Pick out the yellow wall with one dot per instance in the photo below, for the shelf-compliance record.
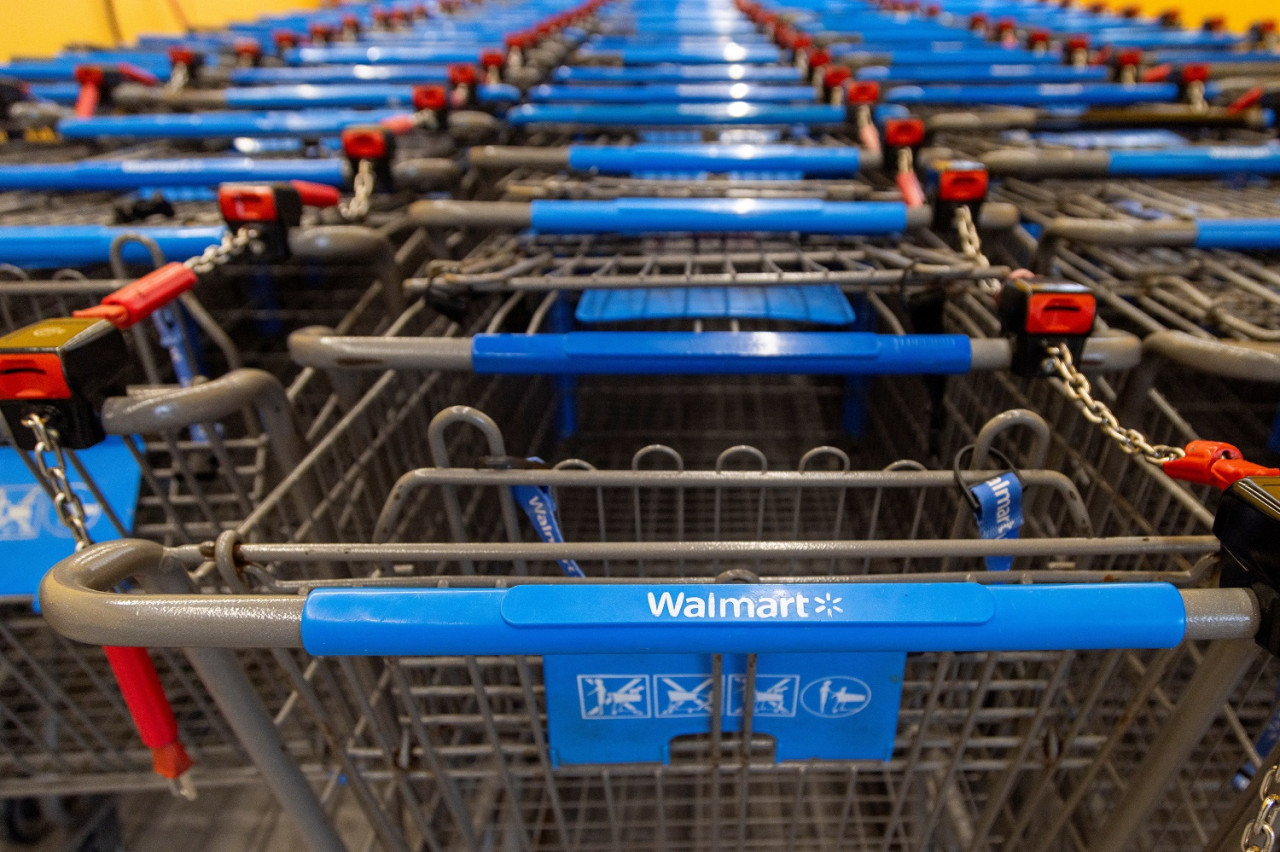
(1239, 15)
(41, 27)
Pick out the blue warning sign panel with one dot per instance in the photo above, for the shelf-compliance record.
(626, 708)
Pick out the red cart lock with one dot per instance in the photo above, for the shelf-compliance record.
(1038, 313)
(97, 82)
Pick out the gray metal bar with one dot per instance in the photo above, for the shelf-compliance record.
(240, 704)
(441, 213)
(1110, 232)
(1233, 359)
(320, 348)
(76, 602)
(1210, 687)
(1041, 163)
(505, 157)
(354, 244)
(425, 173)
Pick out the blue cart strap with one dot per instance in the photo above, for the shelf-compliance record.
(998, 513)
(540, 507)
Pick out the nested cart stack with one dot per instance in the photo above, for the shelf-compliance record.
(735, 447)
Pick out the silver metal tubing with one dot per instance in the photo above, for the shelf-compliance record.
(84, 609)
(354, 244)
(462, 214)
(1110, 232)
(425, 173)
(1214, 680)
(1042, 163)
(506, 157)
(152, 410)
(320, 348)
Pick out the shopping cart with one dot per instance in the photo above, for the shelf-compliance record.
(989, 726)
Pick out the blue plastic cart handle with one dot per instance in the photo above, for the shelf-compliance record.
(56, 246)
(677, 74)
(818, 160)
(1024, 73)
(961, 55)
(1048, 95)
(207, 125)
(632, 619)
(304, 96)
(1193, 160)
(712, 353)
(692, 55)
(326, 75)
(737, 215)
(388, 55)
(60, 93)
(668, 93)
(1243, 234)
(89, 175)
(673, 115)
(1162, 38)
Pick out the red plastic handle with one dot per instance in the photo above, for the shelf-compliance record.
(316, 194)
(1214, 463)
(135, 302)
(149, 706)
(87, 100)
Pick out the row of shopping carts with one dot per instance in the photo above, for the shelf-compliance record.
(607, 426)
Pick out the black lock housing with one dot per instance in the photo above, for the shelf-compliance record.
(63, 369)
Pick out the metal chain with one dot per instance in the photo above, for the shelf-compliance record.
(971, 246)
(362, 193)
(1260, 835)
(66, 502)
(1131, 441)
(216, 255)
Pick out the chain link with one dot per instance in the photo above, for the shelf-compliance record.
(971, 247)
(66, 502)
(214, 256)
(362, 193)
(1260, 834)
(1131, 441)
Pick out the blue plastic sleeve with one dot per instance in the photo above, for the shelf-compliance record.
(60, 93)
(1198, 160)
(672, 92)
(385, 54)
(55, 246)
(497, 93)
(671, 115)
(960, 55)
(1255, 234)
(1023, 73)
(739, 215)
(89, 175)
(602, 619)
(324, 75)
(207, 125)
(1095, 94)
(676, 74)
(720, 353)
(693, 55)
(336, 96)
(822, 160)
